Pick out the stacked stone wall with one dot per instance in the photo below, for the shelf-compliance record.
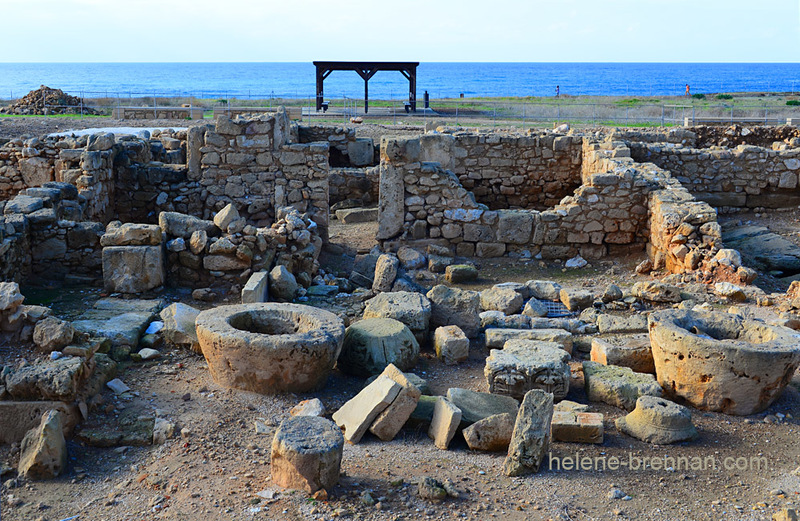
(745, 177)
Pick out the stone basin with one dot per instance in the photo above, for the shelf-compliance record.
(722, 362)
(270, 347)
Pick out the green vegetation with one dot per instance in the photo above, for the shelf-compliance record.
(793, 102)
(699, 96)
(724, 96)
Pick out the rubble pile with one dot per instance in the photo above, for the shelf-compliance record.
(45, 101)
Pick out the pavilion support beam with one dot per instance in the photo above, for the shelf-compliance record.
(367, 70)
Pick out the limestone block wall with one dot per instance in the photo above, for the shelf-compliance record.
(250, 163)
(729, 179)
(354, 183)
(509, 170)
(338, 138)
(15, 248)
(420, 200)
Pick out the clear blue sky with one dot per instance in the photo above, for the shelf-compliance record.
(412, 30)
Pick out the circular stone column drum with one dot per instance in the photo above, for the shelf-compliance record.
(269, 347)
(722, 362)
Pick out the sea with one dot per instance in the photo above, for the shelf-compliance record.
(440, 80)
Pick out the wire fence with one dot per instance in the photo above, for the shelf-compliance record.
(611, 111)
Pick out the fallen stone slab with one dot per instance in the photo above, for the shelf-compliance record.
(658, 421)
(52, 334)
(179, 325)
(618, 386)
(133, 269)
(131, 234)
(356, 416)
(18, 417)
(176, 224)
(312, 407)
(576, 300)
(498, 319)
(373, 343)
(625, 351)
(655, 291)
(391, 420)
(257, 288)
(497, 338)
(531, 438)
(357, 215)
(544, 289)
(523, 365)
(460, 273)
(573, 325)
(492, 434)
(444, 423)
(385, 272)
(43, 452)
(475, 406)
(307, 454)
(613, 324)
(57, 380)
(763, 249)
(577, 427)
(502, 299)
(122, 321)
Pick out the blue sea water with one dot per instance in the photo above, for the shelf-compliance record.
(297, 80)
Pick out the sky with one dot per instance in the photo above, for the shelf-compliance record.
(411, 30)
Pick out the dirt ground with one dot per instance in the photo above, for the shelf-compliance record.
(217, 466)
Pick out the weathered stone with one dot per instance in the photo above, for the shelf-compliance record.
(225, 263)
(498, 319)
(577, 427)
(618, 386)
(476, 406)
(181, 225)
(18, 417)
(162, 431)
(535, 308)
(52, 334)
(385, 272)
(531, 438)
(451, 344)
(198, 242)
(444, 423)
(523, 365)
(722, 362)
(226, 216)
(43, 453)
(268, 347)
(373, 343)
(391, 420)
(656, 292)
(658, 421)
(410, 308)
(544, 289)
(122, 321)
(282, 284)
(632, 352)
(130, 234)
(452, 306)
(731, 291)
(10, 297)
(497, 338)
(501, 299)
(612, 293)
(410, 259)
(357, 215)
(133, 269)
(492, 433)
(307, 454)
(576, 300)
(360, 152)
(179, 325)
(256, 289)
(312, 407)
(460, 273)
(47, 380)
(356, 416)
(613, 324)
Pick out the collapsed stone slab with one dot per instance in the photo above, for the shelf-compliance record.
(618, 386)
(577, 427)
(497, 338)
(43, 453)
(451, 344)
(456, 307)
(133, 269)
(722, 362)
(492, 434)
(358, 413)
(18, 417)
(476, 406)
(412, 309)
(625, 351)
(270, 347)
(531, 437)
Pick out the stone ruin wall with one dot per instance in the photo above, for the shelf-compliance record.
(745, 177)
(621, 206)
(507, 171)
(250, 163)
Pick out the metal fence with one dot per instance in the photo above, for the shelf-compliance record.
(463, 111)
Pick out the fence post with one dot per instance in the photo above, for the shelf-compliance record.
(662, 115)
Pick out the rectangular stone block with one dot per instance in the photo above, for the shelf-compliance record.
(133, 269)
(451, 344)
(17, 418)
(356, 416)
(256, 288)
(391, 420)
(577, 427)
(531, 437)
(496, 338)
(445, 422)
